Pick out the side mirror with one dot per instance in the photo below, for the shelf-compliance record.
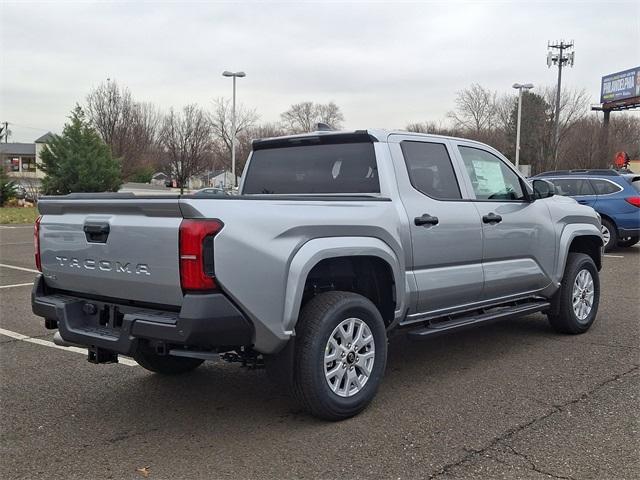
(543, 189)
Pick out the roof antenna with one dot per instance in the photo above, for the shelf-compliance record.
(323, 127)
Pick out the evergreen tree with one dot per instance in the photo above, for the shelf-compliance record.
(79, 161)
(536, 132)
(7, 187)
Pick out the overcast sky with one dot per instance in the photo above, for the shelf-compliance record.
(384, 63)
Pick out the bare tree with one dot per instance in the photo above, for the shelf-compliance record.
(624, 135)
(475, 109)
(186, 139)
(581, 145)
(221, 126)
(574, 106)
(129, 128)
(436, 128)
(305, 116)
(504, 105)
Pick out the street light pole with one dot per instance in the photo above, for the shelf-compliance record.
(519, 87)
(234, 75)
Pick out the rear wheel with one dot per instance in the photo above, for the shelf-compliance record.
(575, 306)
(609, 235)
(340, 354)
(165, 364)
(628, 242)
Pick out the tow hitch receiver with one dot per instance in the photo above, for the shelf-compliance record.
(100, 355)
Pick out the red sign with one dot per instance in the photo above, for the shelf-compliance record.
(621, 159)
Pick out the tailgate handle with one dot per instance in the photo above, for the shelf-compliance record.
(96, 232)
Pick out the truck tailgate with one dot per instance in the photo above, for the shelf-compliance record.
(121, 248)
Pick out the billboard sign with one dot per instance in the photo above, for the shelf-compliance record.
(620, 86)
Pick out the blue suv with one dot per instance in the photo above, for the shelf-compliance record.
(615, 196)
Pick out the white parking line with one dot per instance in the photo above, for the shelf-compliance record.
(47, 343)
(19, 268)
(613, 256)
(17, 226)
(17, 285)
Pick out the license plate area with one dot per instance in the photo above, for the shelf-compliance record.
(96, 318)
(110, 316)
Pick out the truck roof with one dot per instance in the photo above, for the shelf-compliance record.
(342, 136)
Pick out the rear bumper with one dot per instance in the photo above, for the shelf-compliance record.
(204, 321)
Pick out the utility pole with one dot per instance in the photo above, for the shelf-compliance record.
(5, 131)
(561, 58)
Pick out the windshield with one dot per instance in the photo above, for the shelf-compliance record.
(313, 169)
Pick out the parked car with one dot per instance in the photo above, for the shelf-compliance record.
(616, 197)
(336, 240)
(209, 191)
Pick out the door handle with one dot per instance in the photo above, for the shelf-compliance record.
(491, 218)
(583, 202)
(96, 232)
(426, 219)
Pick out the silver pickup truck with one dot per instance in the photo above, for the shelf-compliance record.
(336, 240)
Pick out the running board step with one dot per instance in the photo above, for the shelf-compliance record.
(461, 323)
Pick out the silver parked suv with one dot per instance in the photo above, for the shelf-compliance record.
(336, 239)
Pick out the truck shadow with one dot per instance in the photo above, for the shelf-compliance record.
(223, 393)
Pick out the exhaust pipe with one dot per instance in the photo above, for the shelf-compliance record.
(61, 342)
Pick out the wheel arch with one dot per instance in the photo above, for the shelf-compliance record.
(607, 217)
(579, 238)
(338, 254)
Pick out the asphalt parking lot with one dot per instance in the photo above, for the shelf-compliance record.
(510, 400)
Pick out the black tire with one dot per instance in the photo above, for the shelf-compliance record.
(628, 242)
(613, 235)
(562, 316)
(165, 364)
(318, 320)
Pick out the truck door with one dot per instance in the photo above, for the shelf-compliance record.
(519, 240)
(446, 232)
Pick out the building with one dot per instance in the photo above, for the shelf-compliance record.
(22, 161)
(159, 178)
(214, 178)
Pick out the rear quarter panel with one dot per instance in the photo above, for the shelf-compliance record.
(260, 240)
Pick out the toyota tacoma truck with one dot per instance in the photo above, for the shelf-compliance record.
(335, 241)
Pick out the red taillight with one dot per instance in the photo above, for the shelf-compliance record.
(36, 242)
(196, 254)
(635, 201)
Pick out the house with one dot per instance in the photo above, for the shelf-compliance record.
(159, 178)
(22, 161)
(213, 178)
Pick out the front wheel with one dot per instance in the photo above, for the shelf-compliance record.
(575, 305)
(340, 354)
(628, 242)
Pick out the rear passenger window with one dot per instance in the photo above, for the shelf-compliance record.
(430, 169)
(572, 187)
(605, 187)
